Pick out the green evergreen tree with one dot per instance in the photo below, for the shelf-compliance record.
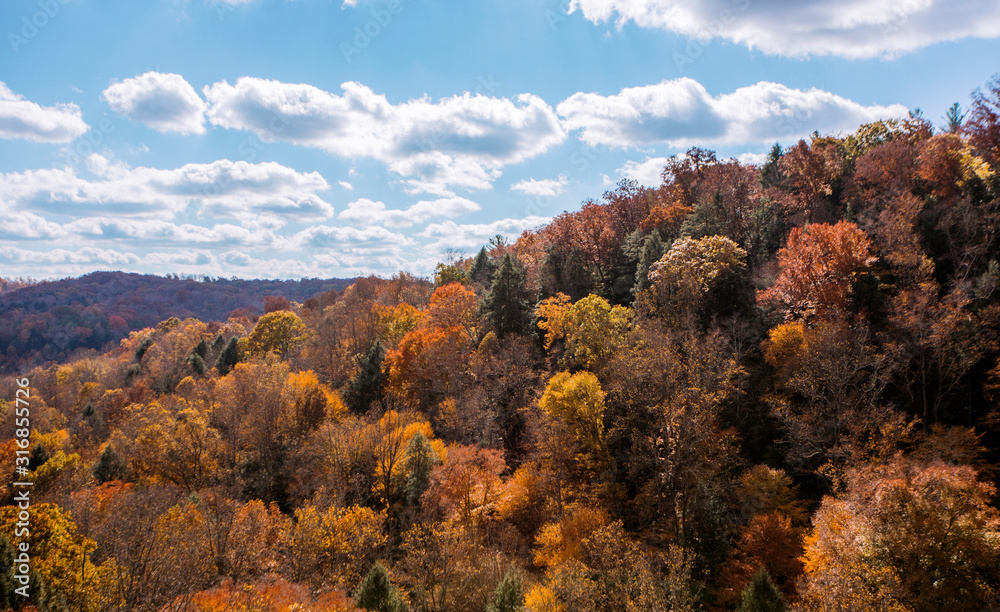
(420, 459)
(954, 118)
(229, 358)
(652, 251)
(110, 466)
(202, 348)
(377, 593)
(760, 595)
(506, 305)
(197, 363)
(482, 268)
(38, 457)
(770, 172)
(142, 348)
(509, 594)
(368, 386)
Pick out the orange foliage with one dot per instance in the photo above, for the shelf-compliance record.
(817, 266)
(428, 363)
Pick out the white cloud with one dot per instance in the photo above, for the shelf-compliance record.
(647, 172)
(164, 102)
(752, 159)
(463, 141)
(450, 235)
(222, 188)
(29, 226)
(681, 113)
(545, 187)
(147, 232)
(346, 185)
(352, 240)
(21, 118)
(847, 28)
(367, 212)
(84, 255)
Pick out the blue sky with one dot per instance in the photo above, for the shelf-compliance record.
(289, 138)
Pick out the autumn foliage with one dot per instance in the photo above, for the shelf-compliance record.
(748, 387)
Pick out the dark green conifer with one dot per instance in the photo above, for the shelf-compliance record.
(760, 595)
(506, 305)
(369, 384)
(377, 593)
(110, 466)
(509, 594)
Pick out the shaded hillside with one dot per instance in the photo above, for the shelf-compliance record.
(49, 320)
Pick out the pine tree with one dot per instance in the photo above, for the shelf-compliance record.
(368, 385)
(377, 593)
(760, 595)
(110, 466)
(197, 363)
(652, 251)
(417, 465)
(770, 172)
(509, 595)
(954, 118)
(38, 457)
(482, 268)
(229, 358)
(506, 304)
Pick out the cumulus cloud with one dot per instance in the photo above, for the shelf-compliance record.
(29, 226)
(545, 187)
(648, 172)
(846, 28)
(222, 188)
(372, 240)
(164, 102)
(83, 255)
(367, 212)
(752, 159)
(149, 232)
(451, 235)
(463, 141)
(681, 113)
(24, 119)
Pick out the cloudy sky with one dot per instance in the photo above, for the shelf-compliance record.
(290, 138)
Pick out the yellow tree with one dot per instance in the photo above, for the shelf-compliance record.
(279, 331)
(591, 328)
(59, 554)
(691, 273)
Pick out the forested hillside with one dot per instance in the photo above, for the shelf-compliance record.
(750, 388)
(48, 321)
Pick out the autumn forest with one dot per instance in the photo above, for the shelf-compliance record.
(751, 388)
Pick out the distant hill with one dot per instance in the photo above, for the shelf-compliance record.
(50, 320)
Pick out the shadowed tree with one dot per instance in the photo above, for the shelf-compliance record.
(506, 305)
(377, 594)
(368, 385)
(761, 595)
